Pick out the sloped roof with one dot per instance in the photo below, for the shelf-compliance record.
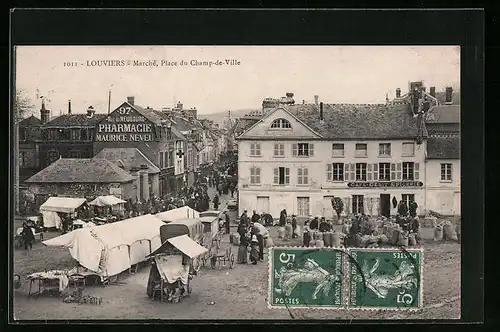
(31, 121)
(75, 120)
(148, 113)
(81, 171)
(444, 114)
(443, 148)
(359, 121)
(130, 157)
(455, 97)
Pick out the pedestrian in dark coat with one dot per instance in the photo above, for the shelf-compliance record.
(314, 223)
(28, 237)
(244, 218)
(282, 218)
(413, 209)
(227, 223)
(216, 201)
(232, 190)
(255, 217)
(294, 226)
(219, 188)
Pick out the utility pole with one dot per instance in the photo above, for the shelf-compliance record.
(109, 101)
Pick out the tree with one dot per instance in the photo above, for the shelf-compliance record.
(22, 106)
(338, 206)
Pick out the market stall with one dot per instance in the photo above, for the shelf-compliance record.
(56, 208)
(112, 248)
(108, 208)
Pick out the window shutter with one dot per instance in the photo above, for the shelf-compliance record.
(294, 150)
(305, 174)
(311, 150)
(416, 171)
(257, 175)
(287, 175)
(375, 172)
(276, 149)
(299, 176)
(369, 172)
(346, 172)
(353, 171)
(276, 176)
(393, 171)
(398, 171)
(329, 172)
(257, 147)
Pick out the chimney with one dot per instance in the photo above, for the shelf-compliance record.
(131, 100)
(316, 99)
(398, 93)
(303, 101)
(448, 94)
(69, 106)
(179, 106)
(321, 111)
(432, 91)
(90, 111)
(194, 112)
(44, 114)
(289, 94)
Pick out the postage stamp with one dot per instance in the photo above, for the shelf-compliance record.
(385, 278)
(306, 277)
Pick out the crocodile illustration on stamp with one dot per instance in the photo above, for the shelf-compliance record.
(305, 277)
(388, 279)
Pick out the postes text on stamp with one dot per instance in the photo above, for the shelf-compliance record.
(305, 277)
(385, 278)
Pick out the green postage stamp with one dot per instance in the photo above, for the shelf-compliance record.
(367, 278)
(305, 277)
(385, 278)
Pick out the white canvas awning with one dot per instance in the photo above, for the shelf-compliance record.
(189, 247)
(179, 213)
(62, 204)
(109, 200)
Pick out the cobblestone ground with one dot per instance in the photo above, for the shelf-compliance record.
(238, 293)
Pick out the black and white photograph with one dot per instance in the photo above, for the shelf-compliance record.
(154, 182)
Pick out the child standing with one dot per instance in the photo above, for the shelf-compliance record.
(254, 252)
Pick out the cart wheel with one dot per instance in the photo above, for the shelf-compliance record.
(231, 261)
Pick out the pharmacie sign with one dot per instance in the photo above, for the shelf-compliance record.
(378, 184)
(125, 125)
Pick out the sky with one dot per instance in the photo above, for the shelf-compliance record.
(337, 74)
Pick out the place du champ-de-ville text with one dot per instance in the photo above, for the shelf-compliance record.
(154, 63)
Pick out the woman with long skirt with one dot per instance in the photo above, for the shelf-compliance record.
(242, 249)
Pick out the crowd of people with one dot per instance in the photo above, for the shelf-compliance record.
(220, 177)
(253, 234)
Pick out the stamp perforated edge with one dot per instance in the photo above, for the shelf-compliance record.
(393, 309)
(270, 282)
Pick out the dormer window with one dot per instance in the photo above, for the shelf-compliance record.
(281, 124)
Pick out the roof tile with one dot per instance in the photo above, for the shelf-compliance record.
(75, 120)
(443, 148)
(81, 171)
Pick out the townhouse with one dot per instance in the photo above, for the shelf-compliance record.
(298, 157)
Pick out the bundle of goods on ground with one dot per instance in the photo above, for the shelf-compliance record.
(364, 231)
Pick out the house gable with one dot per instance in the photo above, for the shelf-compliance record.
(126, 123)
(294, 128)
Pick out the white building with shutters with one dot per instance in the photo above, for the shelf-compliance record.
(297, 158)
